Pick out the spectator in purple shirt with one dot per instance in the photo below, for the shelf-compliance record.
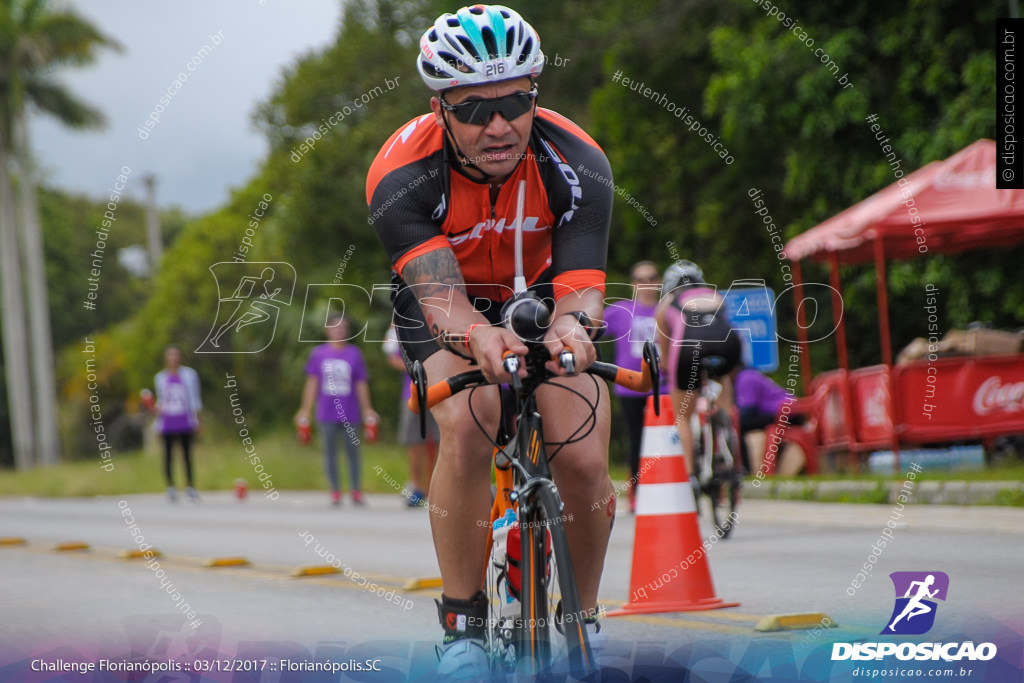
(336, 379)
(759, 399)
(630, 324)
(177, 416)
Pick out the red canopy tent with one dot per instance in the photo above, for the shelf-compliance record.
(947, 206)
(850, 234)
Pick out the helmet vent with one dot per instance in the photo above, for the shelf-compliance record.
(453, 61)
(526, 51)
(468, 47)
(490, 43)
(452, 43)
(429, 68)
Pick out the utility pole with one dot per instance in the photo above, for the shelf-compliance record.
(155, 243)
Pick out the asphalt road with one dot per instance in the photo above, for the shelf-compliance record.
(784, 557)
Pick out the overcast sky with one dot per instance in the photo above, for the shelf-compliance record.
(204, 143)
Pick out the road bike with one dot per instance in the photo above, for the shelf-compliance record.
(530, 623)
(716, 468)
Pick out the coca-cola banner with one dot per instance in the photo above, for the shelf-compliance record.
(830, 412)
(960, 398)
(870, 389)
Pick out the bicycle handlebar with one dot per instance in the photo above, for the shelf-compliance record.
(528, 318)
(631, 379)
(446, 388)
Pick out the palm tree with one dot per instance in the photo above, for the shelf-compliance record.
(16, 367)
(35, 40)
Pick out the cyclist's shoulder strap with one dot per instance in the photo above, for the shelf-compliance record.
(414, 142)
(573, 168)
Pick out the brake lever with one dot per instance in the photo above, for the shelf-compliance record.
(653, 360)
(567, 359)
(511, 365)
(419, 382)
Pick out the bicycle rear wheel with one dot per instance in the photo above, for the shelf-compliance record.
(724, 491)
(551, 628)
(724, 494)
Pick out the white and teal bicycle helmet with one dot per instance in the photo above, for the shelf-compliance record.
(478, 44)
(681, 273)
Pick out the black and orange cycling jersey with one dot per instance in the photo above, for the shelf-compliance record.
(419, 202)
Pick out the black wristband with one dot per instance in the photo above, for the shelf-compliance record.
(584, 320)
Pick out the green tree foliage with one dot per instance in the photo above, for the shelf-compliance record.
(70, 224)
(925, 68)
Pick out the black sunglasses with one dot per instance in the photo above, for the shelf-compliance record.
(479, 112)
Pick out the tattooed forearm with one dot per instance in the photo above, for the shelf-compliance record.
(441, 291)
(436, 274)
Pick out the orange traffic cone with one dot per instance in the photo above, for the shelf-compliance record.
(670, 567)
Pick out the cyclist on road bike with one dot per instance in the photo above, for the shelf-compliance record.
(693, 325)
(442, 194)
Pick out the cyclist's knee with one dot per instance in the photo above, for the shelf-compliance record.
(462, 435)
(582, 470)
(466, 430)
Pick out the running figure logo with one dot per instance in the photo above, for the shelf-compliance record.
(254, 302)
(914, 613)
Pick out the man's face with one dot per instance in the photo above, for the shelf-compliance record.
(172, 358)
(337, 330)
(498, 146)
(646, 278)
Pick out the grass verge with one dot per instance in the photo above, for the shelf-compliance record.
(218, 461)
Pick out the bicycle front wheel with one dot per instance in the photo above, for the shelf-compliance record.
(552, 622)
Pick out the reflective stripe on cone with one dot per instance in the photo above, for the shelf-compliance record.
(665, 499)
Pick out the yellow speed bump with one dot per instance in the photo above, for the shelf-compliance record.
(71, 545)
(319, 570)
(227, 562)
(793, 622)
(140, 554)
(422, 584)
(12, 540)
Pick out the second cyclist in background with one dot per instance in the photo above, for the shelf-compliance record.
(692, 325)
